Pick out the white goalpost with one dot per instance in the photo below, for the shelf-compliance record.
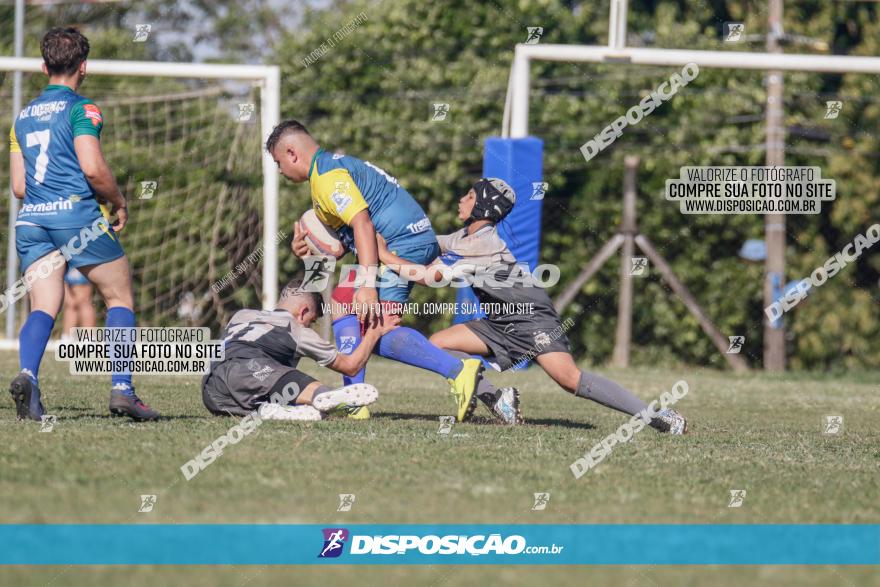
(515, 123)
(518, 114)
(516, 111)
(264, 77)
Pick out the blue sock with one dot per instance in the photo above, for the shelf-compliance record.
(347, 331)
(411, 347)
(120, 317)
(32, 341)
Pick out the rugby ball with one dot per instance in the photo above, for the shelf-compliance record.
(320, 238)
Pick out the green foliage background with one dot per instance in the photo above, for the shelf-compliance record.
(370, 96)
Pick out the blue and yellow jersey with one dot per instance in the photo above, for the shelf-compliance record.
(57, 194)
(344, 186)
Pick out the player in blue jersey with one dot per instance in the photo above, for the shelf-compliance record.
(360, 200)
(59, 170)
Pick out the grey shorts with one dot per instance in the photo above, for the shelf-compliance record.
(237, 387)
(517, 338)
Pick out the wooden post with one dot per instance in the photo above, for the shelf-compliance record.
(629, 238)
(623, 337)
(721, 343)
(774, 224)
(587, 272)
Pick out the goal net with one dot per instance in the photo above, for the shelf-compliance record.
(187, 154)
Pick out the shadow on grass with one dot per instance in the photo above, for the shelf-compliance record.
(126, 420)
(561, 422)
(62, 409)
(483, 421)
(400, 416)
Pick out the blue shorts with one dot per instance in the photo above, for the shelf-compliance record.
(390, 287)
(74, 277)
(33, 242)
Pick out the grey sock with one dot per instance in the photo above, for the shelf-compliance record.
(485, 390)
(610, 394)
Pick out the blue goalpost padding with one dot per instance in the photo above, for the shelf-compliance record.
(519, 162)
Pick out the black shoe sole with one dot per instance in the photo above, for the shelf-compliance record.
(120, 412)
(664, 427)
(21, 395)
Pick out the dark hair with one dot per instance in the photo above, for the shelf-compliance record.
(288, 126)
(64, 49)
(293, 289)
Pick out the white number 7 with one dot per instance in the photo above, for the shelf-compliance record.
(42, 138)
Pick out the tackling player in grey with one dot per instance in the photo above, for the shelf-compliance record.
(262, 349)
(507, 334)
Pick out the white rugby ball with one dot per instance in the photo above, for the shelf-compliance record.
(320, 238)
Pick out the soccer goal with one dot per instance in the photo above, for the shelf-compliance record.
(185, 142)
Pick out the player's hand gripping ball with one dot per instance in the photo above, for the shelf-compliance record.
(318, 237)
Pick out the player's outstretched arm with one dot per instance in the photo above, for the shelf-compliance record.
(97, 172)
(406, 269)
(353, 363)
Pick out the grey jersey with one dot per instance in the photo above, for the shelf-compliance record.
(484, 249)
(253, 334)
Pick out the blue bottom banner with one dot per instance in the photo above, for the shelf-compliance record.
(530, 544)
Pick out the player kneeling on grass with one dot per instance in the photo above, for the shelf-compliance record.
(513, 338)
(262, 350)
(363, 203)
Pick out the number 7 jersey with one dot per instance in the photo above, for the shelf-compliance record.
(57, 194)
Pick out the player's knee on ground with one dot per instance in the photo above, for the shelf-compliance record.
(295, 388)
(308, 394)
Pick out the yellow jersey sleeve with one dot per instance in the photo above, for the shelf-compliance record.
(337, 198)
(14, 147)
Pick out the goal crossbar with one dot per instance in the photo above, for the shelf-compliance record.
(267, 77)
(518, 99)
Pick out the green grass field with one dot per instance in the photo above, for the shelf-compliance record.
(748, 432)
